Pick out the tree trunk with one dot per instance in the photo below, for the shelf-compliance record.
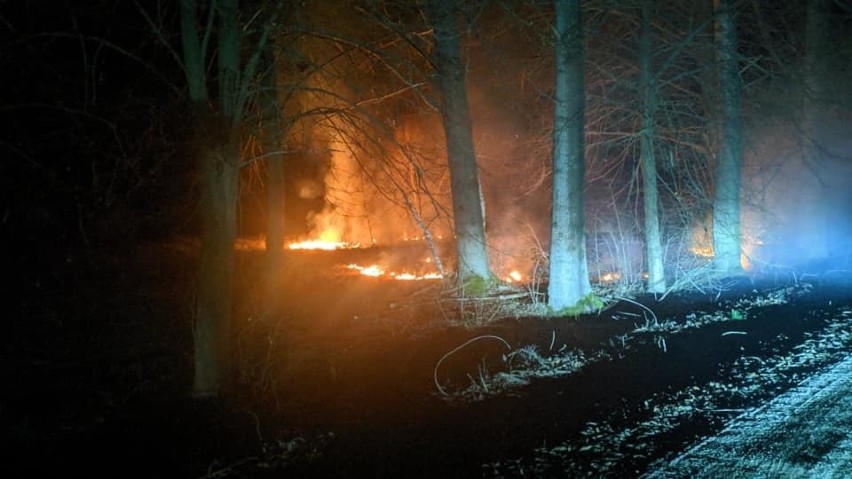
(653, 246)
(193, 57)
(816, 51)
(212, 335)
(569, 276)
(219, 170)
(229, 61)
(272, 134)
(726, 212)
(468, 214)
(815, 236)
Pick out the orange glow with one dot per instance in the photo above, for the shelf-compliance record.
(702, 251)
(514, 277)
(328, 240)
(610, 277)
(372, 270)
(322, 245)
(747, 247)
(250, 244)
(414, 277)
(376, 271)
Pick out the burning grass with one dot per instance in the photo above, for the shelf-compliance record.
(376, 271)
(322, 245)
(408, 260)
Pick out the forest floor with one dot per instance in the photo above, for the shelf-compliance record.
(366, 377)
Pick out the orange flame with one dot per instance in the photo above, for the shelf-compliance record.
(377, 271)
(322, 245)
(514, 276)
(328, 240)
(610, 277)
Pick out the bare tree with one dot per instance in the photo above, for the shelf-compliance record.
(358, 96)
(218, 155)
(569, 277)
(653, 246)
(468, 214)
(726, 212)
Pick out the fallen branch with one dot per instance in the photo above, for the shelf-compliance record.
(640, 305)
(435, 371)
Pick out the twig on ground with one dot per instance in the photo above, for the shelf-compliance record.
(640, 305)
(456, 349)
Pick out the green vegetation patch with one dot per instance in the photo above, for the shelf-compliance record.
(479, 286)
(586, 304)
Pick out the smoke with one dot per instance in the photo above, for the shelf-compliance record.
(796, 212)
(308, 189)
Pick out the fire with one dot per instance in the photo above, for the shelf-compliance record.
(250, 244)
(322, 245)
(259, 244)
(372, 270)
(377, 271)
(748, 246)
(514, 277)
(610, 277)
(414, 277)
(328, 240)
(702, 251)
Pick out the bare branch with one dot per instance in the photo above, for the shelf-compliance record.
(159, 33)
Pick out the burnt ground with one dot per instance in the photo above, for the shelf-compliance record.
(96, 365)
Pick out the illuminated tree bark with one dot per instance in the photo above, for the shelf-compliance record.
(468, 214)
(217, 144)
(569, 276)
(653, 247)
(726, 211)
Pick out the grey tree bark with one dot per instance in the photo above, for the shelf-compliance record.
(726, 212)
(653, 242)
(568, 276)
(468, 214)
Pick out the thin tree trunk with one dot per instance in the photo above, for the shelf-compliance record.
(468, 215)
(569, 276)
(272, 134)
(653, 246)
(816, 49)
(193, 57)
(229, 61)
(726, 212)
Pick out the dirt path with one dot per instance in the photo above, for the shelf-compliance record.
(806, 432)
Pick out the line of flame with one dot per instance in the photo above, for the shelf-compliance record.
(377, 271)
(322, 245)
